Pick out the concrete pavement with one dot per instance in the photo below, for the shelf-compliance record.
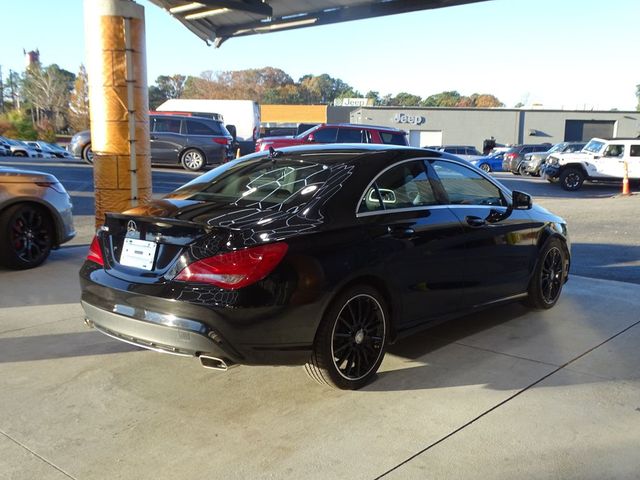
(505, 393)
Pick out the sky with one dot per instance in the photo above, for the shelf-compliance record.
(559, 53)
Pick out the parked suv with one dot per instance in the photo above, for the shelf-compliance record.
(534, 161)
(175, 139)
(513, 158)
(600, 160)
(337, 133)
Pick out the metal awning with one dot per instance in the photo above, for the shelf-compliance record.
(215, 21)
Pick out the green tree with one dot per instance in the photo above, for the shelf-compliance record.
(404, 99)
(443, 99)
(79, 102)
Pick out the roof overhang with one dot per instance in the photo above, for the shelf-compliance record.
(215, 21)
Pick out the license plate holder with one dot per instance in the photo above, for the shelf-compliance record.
(138, 253)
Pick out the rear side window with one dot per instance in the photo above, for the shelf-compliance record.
(350, 135)
(195, 127)
(634, 151)
(393, 138)
(466, 187)
(169, 125)
(260, 183)
(403, 186)
(325, 135)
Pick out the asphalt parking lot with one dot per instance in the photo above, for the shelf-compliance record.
(507, 393)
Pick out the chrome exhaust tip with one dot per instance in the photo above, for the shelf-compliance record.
(215, 363)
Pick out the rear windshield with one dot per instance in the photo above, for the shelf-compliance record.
(261, 182)
(393, 138)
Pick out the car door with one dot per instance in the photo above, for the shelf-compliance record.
(611, 163)
(498, 240)
(424, 260)
(633, 161)
(166, 139)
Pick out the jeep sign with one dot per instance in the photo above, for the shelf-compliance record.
(410, 119)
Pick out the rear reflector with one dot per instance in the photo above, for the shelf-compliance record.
(95, 252)
(237, 269)
(221, 141)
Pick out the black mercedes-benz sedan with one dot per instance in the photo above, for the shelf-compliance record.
(319, 255)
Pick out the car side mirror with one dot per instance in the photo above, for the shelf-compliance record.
(521, 200)
(232, 130)
(311, 138)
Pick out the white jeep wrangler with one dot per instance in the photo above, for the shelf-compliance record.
(600, 160)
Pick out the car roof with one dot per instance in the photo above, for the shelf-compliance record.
(336, 153)
(360, 125)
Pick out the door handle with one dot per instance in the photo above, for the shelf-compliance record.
(475, 221)
(402, 232)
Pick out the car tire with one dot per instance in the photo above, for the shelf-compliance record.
(87, 154)
(19, 154)
(193, 160)
(522, 170)
(571, 179)
(548, 277)
(26, 236)
(351, 339)
(485, 167)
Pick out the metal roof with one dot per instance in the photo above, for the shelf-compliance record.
(215, 21)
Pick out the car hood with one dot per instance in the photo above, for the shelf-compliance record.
(15, 175)
(577, 156)
(281, 141)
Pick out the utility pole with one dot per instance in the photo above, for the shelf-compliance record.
(1, 91)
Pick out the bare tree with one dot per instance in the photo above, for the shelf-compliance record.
(47, 91)
(79, 102)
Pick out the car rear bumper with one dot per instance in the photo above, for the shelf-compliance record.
(191, 338)
(256, 335)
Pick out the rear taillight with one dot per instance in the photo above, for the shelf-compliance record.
(237, 269)
(511, 156)
(221, 141)
(95, 252)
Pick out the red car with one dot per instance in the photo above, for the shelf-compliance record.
(337, 133)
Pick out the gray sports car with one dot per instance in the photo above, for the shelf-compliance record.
(35, 216)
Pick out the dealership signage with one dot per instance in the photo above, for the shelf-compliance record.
(410, 119)
(353, 102)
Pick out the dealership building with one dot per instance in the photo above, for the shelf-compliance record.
(468, 126)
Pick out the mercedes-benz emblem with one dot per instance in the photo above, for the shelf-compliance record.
(131, 226)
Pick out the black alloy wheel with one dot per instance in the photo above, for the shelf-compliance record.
(485, 167)
(549, 276)
(87, 154)
(351, 340)
(26, 236)
(571, 179)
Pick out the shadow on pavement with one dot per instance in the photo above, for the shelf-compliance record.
(61, 345)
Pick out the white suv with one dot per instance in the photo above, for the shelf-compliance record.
(600, 160)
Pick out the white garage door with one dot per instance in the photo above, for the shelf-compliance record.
(422, 138)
